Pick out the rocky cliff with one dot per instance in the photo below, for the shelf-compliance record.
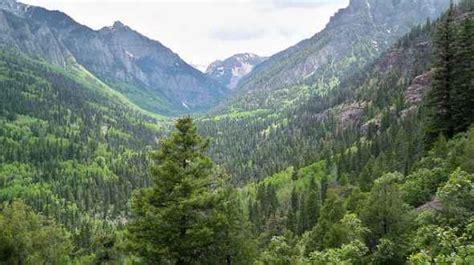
(144, 70)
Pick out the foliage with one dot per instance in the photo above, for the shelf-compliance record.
(29, 238)
(184, 218)
(340, 176)
(71, 148)
(351, 253)
(278, 252)
(451, 97)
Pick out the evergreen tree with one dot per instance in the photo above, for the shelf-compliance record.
(28, 238)
(439, 98)
(292, 217)
(313, 204)
(463, 73)
(185, 217)
(320, 237)
(385, 213)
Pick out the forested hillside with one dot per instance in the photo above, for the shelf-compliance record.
(385, 191)
(379, 169)
(72, 148)
(309, 129)
(354, 36)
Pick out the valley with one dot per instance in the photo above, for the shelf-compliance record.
(354, 146)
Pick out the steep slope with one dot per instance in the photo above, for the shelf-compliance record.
(144, 70)
(74, 149)
(371, 163)
(71, 147)
(353, 37)
(269, 141)
(228, 72)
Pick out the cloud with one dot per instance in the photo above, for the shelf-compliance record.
(201, 31)
(33, 2)
(236, 34)
(297, 3)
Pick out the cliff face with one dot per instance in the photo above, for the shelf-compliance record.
(32, 38)
(144, 70)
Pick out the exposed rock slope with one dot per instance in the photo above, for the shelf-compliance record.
(147, 72)
(231, 70)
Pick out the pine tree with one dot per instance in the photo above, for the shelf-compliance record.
(439, 98)
(463, 73)
(384, 211)
(313, 205)
(292, 217)
(185, 217)
(332, 211)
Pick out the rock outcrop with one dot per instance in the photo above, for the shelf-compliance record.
(418, 88)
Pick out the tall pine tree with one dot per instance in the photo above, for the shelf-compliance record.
(186, 217)
(463, 82)
(439, 99)
(452, 95)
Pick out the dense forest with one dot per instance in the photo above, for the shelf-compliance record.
(71, 149)
(378, 169)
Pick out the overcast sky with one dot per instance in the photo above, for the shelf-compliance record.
(201, 31)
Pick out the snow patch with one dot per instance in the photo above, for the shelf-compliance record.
(239, 72)
(369, 9)
(220, 71)
(375, 44)
(130, 54)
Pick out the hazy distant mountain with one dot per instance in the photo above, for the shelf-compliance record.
(144, 70)
(229, 71)
(354, 36)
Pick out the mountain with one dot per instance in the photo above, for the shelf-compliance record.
(354, 36)
(229, 71)
(341, 177)
(276, 126)
(144, 70)
(369, 136)
(71, 147)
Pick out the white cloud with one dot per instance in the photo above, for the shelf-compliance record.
(298, 3)
(201, 31)
(237, 34)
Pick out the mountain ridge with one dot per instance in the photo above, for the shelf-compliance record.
(317, 63)
(150, 74)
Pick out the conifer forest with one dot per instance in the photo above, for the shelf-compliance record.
(355, 146)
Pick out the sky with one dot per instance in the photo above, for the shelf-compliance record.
(202, 31)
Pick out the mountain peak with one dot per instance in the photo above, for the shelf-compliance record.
(12, 6)
(118, 24)
(9, 2)
(246, 55)
(229, 71)
(117, 54)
